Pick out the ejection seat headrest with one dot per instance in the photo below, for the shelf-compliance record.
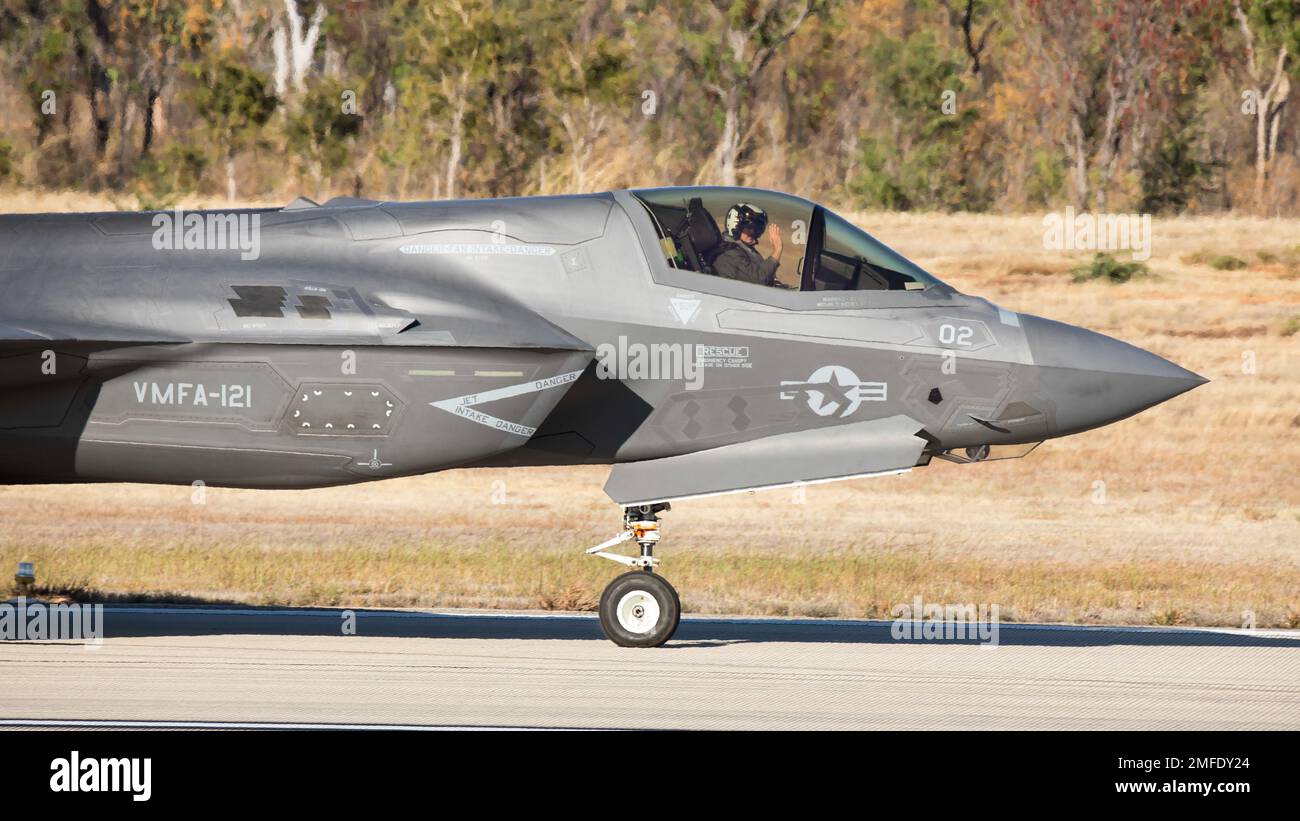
(702, 228)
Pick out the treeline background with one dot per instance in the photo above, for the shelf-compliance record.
(1163, 106)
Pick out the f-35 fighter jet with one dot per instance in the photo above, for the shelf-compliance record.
(702, 340)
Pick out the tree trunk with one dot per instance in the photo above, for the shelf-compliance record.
(576, 151)
(579, 170)
(1077, 151)
(1261, 153)
(125, 123)
(231, 192)
(457, 136)
(729, 142)
(98, 101)
(151, 102)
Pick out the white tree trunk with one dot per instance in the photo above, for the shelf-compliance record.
(280, 48)
(293, 49)
(1268, 105)
(1077, 152)
(729, 142)
(457, 137)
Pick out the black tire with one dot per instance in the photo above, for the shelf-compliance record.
(633, 593)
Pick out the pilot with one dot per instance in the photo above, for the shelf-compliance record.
(739, 258)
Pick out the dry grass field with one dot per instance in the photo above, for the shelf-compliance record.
(1198, 518)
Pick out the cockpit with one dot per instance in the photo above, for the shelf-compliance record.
(773, 239)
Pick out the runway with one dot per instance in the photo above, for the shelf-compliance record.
(217, 667)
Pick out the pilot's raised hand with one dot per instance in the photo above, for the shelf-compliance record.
(775, 231)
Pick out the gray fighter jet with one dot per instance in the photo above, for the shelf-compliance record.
(357, 340)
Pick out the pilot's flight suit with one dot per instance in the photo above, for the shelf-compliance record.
(745, 263)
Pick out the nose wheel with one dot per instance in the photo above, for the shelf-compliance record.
(640, 608)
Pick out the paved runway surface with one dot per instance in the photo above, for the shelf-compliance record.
(211, 667)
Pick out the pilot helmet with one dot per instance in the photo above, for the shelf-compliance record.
(745, 218)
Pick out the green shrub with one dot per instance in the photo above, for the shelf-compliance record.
(1104, 266)
(161, 181)
(6, 160)
(1228, 263)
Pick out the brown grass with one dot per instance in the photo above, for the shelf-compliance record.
(1200, 520)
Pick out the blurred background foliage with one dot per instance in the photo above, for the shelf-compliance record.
(1165, 106)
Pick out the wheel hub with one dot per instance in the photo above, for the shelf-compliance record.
(637, 612)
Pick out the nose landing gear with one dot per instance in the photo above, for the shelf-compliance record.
(639, 608)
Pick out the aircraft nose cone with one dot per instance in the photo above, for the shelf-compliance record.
(1093, 380)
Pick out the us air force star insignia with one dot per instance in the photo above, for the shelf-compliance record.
(836, 389)
(463, 406)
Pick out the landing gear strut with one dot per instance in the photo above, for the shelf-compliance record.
(639, 608)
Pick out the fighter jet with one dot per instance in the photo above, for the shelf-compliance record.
(701, 340)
